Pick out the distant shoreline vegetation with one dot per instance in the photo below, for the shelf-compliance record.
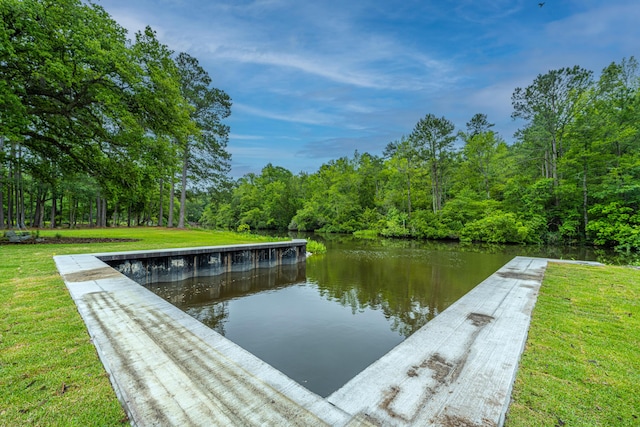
(571, 177)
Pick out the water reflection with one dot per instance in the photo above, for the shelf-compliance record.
(206, 298)
(408, 281)
(323, 323)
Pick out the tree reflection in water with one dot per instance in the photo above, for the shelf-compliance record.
(324, 321)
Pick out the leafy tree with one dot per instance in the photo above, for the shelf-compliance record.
(433, 138)
(482, 161)
(478, 124)
(204, 155)
(83, 98)
(552, 101)
(404, 157)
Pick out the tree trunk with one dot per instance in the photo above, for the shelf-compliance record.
(103, 213)
(71, 211)
(161, 213)
(10, 191)
(98, 211)
(54, 199)
(20, 214)
(554, 169)
(183, 190)
(115, 215)
(409, 196)
(20, 218)
(435, 187)
(38, 216)
(172, 194)
(90, 213)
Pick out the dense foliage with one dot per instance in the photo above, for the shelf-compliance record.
(94, 123)
(91, 121)
(572, 176)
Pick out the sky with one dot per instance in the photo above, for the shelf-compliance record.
(312, 81)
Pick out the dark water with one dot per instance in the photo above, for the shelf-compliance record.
(323, 322)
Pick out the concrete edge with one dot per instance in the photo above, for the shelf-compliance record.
(324, 408)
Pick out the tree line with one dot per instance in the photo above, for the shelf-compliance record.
(571, 176)
(96, 128)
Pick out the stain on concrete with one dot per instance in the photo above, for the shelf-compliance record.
(229, 395)
(457, 421)
(440, 368)
(479, 319)
(444, 373)
(95, 274)
(389, 396)
(364, 420)
(518, 275)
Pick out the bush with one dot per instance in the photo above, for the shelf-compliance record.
(615, 225)
(496, 227)
(306, 220)
(366, 234)
(428, 225)
(396, 224)
(316, 247)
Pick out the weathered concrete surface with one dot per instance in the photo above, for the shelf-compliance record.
(169, 369)
(459, 369)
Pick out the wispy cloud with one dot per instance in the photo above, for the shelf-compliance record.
(314, 80)
(309, 117)
(241, 137)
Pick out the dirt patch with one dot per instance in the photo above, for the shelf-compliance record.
(64, 240)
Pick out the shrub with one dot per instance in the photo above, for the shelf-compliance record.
(496, 227)
(316, 247)
(428, 225)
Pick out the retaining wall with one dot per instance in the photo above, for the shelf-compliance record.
(147, 267)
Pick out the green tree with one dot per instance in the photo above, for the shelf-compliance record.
(404, 157)
(482, 162)
(478, 124)
(204, 156)
(552, 101)
(433, 138)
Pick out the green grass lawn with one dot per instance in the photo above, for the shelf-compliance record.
(50, 374)
(581, 365)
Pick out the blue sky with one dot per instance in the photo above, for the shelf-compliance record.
(312, 81)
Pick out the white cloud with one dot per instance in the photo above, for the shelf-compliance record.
(364, 72)
(308, 116)
(241, 137)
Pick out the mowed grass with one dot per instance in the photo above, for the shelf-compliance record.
(50, 374)
(581, 364)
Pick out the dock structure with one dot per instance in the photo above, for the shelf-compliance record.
(169, 369)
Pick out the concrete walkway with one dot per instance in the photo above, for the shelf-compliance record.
(169, 369)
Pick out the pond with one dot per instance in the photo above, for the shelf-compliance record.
(324, 322)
